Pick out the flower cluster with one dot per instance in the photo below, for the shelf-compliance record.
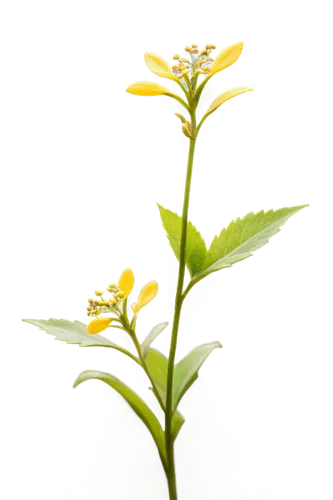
(195, 61)
(186, 72)
(117, 303)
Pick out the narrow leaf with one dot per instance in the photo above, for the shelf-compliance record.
(75, 333)
(177, 423)
(186, 371)
(135, 402)
(151, 337)
(243, 236)
(157, 365)
(148, 89)
(195, 246)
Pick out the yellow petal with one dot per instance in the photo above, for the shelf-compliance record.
(225, 97)
(148, 292)
(126, 282)
(98, 325)
(159, 66)
(147, 88)
(226, 58)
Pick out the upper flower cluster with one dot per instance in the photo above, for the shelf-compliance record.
(117, 303)
(185, 71)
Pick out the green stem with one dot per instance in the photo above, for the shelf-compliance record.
(191, 285)
(171, 475)
(129, 328)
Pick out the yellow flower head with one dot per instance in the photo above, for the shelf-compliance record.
(98, 325)
(126, 282)
(228, 57)
(146, 295)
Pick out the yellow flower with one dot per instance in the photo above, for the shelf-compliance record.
(225, 96)
(226, 58)
(147, 89)
(98, 325)
(126, 282)
(147, 293)
(159, 66)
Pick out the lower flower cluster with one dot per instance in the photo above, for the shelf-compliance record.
(117, 303)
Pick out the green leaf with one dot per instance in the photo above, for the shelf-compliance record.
(186, 371)
(243, 236)
(135, 402)
(75, 333)
(195, 245)
(222, 98)
(157, 365)
(151, 337)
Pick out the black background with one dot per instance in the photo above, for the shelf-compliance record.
(94, 164)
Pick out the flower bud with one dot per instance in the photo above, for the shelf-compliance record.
(211, 46)
(203, 52)
(175, 56)
(185, 130)
(111, 287)
(175, 66)
(179, 116)
(104, 303)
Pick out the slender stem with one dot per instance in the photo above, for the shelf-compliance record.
(201, 87)
(184, 89)
(127, 328)
(143, 365)
(179, 99)
(178, 305)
